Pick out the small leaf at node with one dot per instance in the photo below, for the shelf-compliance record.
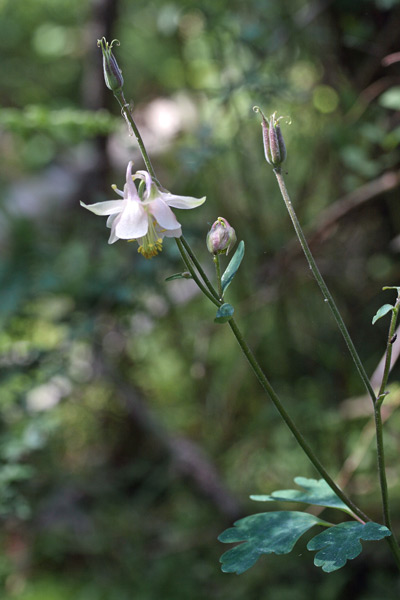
(264, 533)
(341, 543)
(185, 275)
(224, 313)
(382, 312)
(317, 492)
(233, 266)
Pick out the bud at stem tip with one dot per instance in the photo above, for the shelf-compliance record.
(112, 73)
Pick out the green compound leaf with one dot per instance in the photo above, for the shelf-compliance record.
(341, 543)
(317, 492)
(224, 313)
(233, 266)
(184, 275)
(382, 312)
(263, 533)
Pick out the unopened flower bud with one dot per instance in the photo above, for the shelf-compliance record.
(221, 237)
(274, 145)
(112, 72)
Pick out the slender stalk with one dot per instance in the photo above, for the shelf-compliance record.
(394, 546)
(359, 515)
(199, 268)
(218, 273)
(389, 347)
(376, 400)
(128, 117)
(193, 273)
(325, 291)
(392, 541)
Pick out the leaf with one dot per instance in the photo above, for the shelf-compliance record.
(382, 312)
(224, 313)
(341, 543)
(318, 493)
(263, 533)
(233, 266)
(184, 275)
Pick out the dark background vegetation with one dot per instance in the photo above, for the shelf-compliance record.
(132, 431)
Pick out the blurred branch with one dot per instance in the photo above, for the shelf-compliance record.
(386, 38)
(350, 202)
(187, 458)
(368, 95)
(340, 209)
(365, 439)
(95, 94)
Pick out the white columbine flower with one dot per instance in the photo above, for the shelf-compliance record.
(146, 220)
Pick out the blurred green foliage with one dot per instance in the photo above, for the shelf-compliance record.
(103, 364)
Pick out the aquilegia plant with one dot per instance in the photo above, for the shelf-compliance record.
(144, 214)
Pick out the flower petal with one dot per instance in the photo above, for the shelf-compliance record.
(109, 207)
(130, 190)
(111, 219)
(181, 201)
(113, 236)
(163, 214)
(146, 177)
(133, 222)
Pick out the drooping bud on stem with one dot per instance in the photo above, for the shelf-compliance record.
(221, 237)
(112, 73)
(274, 145)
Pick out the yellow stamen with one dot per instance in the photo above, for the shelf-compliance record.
(149, 250)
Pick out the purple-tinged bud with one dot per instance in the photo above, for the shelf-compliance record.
(281, 142)
(274, 144)
(267, 151)
(221, 237)
(112, 73)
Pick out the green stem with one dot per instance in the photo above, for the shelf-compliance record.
(199, 268)
(193, 273)
(259, 373)
(128, 117)
(394, 546)
(379, 436)
(325, 291)
(290, 423)
(389, 347)
(218, 273)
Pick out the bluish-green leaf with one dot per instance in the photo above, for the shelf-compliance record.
(224, 313)
(341, 543)
(382, 312)
(233, 266)
(263, 533)
(317, 492)
(184, 275)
